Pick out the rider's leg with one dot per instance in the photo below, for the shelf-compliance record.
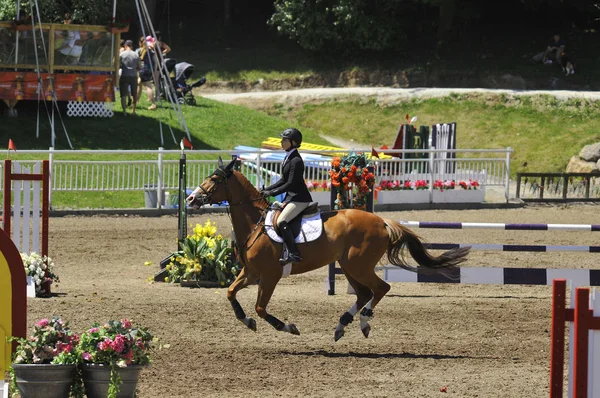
(289, 212)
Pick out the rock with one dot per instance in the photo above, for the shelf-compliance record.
(590, 153)
(577, 165)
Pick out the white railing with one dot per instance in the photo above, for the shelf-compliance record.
(158, 173)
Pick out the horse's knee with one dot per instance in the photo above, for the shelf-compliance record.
(230, 294)
(261, 311)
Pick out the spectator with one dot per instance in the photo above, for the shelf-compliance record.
(556, 45)
(149, 69)
(67, 20)
(161, 45)
(128, 82)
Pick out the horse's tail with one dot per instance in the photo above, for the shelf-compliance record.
(402, 237)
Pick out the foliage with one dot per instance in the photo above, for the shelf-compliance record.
(395, 185)
(314, 186)
(52, 342)
(89, 12)
(362, 24)
(41, 269)
(351, 177)
(204, 256)
(116, 344)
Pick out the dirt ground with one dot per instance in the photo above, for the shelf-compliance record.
(475, 340)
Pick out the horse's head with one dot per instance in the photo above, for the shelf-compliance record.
(214, 188)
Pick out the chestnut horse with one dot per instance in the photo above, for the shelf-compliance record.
(354, 238)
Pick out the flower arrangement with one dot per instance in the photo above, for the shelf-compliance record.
(116, 344)
(451, 184)
(52, 342)
(394, 185)
(314, 186)
(204, 256)
(41, 269)
(350, 174)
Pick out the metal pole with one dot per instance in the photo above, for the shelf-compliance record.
(507, 179)
(159, 188)
(182, 216)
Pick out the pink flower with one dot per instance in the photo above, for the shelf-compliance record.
(119, 344)
(94, 330)
(86, 356)
(126, 323)
(42, 323)
(105, 345)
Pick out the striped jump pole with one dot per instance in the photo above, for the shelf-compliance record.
(584, 358)
(514, 248)
(502, 226)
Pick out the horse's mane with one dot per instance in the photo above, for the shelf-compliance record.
(247, 186)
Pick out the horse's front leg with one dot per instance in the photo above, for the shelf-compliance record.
(266, 287)
(243, 280)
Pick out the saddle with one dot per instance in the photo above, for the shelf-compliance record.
(310, 215)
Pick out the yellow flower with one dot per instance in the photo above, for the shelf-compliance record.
(210, 256)
(210, 242)
(166, 278)
(148, 263)
(219, 237)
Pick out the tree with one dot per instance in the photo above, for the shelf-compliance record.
(89, 12)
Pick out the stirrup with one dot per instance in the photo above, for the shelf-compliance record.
(290, 258)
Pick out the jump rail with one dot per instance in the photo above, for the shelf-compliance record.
(504, 226)
(495, 275)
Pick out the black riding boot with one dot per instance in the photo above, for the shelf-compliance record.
(293, 256)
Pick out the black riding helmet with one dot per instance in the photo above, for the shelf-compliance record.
(293, 135)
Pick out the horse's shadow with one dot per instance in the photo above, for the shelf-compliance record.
(371, 355)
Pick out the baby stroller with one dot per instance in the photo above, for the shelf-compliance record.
(179, 73)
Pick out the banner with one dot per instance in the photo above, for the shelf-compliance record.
(66, 86)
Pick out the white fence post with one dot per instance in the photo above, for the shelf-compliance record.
(507, 179)
(159, 188)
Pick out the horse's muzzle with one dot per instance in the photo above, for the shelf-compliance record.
(196, 198)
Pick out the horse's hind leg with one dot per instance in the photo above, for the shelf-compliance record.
(243, 280)
(379, 288)
(266, 287)
(363, 295)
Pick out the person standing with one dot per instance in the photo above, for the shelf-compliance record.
(297, 197)
(128, 82)
(149, 71)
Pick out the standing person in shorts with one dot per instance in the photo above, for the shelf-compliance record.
(128, 82)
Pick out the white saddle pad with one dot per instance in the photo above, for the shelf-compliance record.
(312, 227)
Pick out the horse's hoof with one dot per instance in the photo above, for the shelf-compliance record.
(294, 330)
(251, 324)
(338, 335)
(366, 330)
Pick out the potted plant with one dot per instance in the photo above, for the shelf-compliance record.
(351, 176)
(112, 356)
(449, 191)
(409, 191)
(320, 191)
(117, 27)
(47, 357)
(40, 270)
(205, 260)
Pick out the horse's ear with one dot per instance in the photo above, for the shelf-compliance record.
(220, 162)
(230, 165)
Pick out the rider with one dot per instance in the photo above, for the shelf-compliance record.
(297, 196)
